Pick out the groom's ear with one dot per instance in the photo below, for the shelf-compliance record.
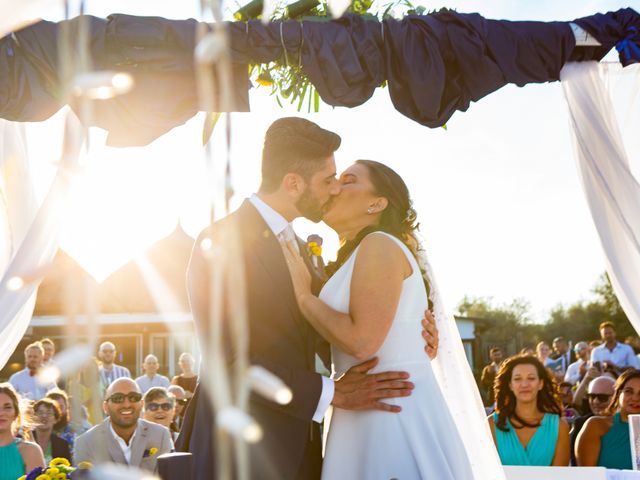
(293, 184)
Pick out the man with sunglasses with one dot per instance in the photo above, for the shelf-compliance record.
(599, 395)
(123, 437)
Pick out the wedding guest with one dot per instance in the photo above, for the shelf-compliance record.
(109, 371)
(562, 352)
(159, 407)
(17, 455)
(599, 397)
(527, 351)
(47, 414)
(604, 440)
(62, 427)
(123, 437)
(543, 352)
(181, 402)
(489, 373)
(187, 379)
(151, 378)
(613, 353)
(527, 426)
(566, 396)
(49, 350)
(577, 369)
(87, 386)
(24, 381)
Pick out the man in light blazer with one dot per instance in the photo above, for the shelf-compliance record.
(123, 437)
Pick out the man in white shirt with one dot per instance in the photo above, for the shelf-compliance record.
(123, 437)
(25, 381)
(151, 378)
(577, 369)
(615, 354)
(109, 371)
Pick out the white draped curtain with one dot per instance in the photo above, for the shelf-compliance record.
(604, 110)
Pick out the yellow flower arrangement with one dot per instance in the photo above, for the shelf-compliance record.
(59, 461)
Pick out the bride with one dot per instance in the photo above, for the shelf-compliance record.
(371, 307)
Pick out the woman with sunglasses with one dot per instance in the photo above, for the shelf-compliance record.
(159, 407)
(604, 440)
(527, 426)
(47, 414)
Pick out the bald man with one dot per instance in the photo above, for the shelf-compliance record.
(151, 378)
(123, 437)
(599, 395)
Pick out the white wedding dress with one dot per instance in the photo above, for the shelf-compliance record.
(420, 442)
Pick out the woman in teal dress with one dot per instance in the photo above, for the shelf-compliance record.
(604, 441)
(17, 457)
(527, 426)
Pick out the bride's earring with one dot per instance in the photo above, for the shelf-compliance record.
(370, 210)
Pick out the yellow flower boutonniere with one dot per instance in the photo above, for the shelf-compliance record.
(150, 452)
(314, 249)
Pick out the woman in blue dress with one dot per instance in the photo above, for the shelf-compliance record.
(527, 426)
(604, 441)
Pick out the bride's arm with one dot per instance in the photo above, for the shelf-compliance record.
(380, 268)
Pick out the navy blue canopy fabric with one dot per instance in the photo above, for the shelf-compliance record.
(434, 65)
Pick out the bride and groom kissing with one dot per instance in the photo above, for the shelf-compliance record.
(389, 418)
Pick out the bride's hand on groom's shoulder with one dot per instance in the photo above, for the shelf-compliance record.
(300, 275)
(359, 390)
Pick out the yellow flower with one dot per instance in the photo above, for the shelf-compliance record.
(264, 79)
(23, 477)
(153, 451)
(52, 472)
(85, 465)
(43, 477)
(315, 249)
(59, 461)
(60, 476)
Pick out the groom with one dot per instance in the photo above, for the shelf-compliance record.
(298, 179)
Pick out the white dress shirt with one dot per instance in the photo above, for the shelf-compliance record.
(126, 449)
(278, 224)
(622, 355)
(145, 382)
(28, 387)
(573, 372)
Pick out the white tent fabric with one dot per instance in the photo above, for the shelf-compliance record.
(604, 108)
(29, 235)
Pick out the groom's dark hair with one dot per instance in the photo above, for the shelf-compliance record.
(294, 145)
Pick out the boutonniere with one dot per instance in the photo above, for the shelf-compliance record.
(150, 452)
(314, 247)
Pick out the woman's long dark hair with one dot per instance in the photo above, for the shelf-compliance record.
(547, 400)
(397, 219)
(614, 405)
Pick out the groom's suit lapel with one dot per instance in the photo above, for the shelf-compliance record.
(263, 247)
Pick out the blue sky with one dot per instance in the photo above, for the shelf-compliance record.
(497, 194)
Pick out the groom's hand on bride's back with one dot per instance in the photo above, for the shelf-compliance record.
(359, 390)
(430, 334)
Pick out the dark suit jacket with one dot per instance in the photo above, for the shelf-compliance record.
(279, 339)
(59, 446)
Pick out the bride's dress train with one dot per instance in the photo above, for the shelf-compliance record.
(422, 441)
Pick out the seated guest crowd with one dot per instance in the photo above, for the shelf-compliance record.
(549, 408)
(134, 422)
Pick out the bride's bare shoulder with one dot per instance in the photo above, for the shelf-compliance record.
(380, 248)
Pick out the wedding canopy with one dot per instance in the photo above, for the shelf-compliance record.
(433, 64)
